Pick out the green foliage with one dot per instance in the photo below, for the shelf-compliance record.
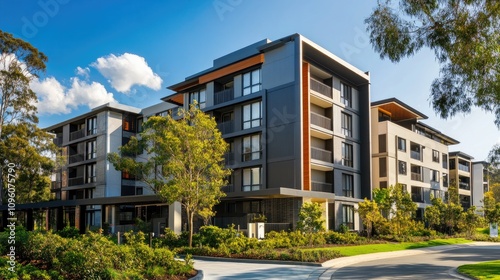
(310, 218)
(370, 214)
(259, 219)
(464, 36)
(333, 237)
(185, 161)
(402, 211)
(69, 232)
(469, 221)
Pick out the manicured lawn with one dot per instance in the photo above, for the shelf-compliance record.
(389, 247)
(484, 270)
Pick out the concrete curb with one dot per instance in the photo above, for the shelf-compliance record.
(454, 273)
(198, 276)
(215, 259)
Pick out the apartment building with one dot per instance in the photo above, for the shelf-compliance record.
(480, 182)
(461, 175)
(408, 152)
(297, 121)
(87, 191)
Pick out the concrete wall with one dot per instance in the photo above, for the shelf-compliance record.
(113, 142)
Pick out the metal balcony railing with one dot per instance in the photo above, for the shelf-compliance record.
(229, 158)
(321, 187)
(76, 158)
(416, 176)
(415, 155)
(321, 88)
(464, 186)
(321, 154)
(321, 121)
(76, 134)
(226, 127)
(417, 197)
(55, 185)
(228, 188)
(75, 181)
(463, 167)
(223, 96)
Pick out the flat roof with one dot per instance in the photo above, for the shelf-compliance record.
(461, 154)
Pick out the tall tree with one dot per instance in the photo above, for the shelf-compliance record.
(370, 214)
(464, 36)
(184, 160)
(402, 211)
(22, 142)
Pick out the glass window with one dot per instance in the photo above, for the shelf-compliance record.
(347, 155)
(251, 82)
(402, 167)
(435, 156)
(92, 126)
(91, 173)
(199, 96)
(382, 143)
(140, 122)
(347, 185)
(91, 149)
(434, 175)
(382, 167)
(347, 124)
(251, 147)
(348, 216)
(252, 115)
(417, 194)
(401, 144)
(346, 95)
(445, 161)
(251, 179)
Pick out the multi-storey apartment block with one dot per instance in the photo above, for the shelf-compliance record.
(461, 175)
(297, 121)
(480, 182)
(405, 151)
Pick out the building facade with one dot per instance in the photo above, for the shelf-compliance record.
(297, 121)
(461, 176)
(405, 151)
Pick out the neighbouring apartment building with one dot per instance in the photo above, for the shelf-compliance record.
(461, 175)
(408, 152)
(297, 121)
(480, 182)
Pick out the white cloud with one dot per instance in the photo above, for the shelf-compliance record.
(54, 98)
(84, 72)
(127, 70)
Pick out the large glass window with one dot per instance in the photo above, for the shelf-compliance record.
(251, 147)
(251, 82)
(91, 149)
(347, 185)
(347, 124)
(347, 155)
(199, 96)
(91, 173)
(417, 194)
(252, 115)
(92, 126)
(435, 156)
(252, 179)
(434, 175)
(128, 123)
(402, 144)
(402, 167)
(346, 95)
(348, 216)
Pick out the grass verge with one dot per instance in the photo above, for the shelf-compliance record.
(483, 270)
(389, 247)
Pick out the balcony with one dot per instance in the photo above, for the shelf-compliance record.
(75, 181)
(321, 154)
(229, 158)
(463, 167)
(226, 127)
(415, 155)
(416, 176)
(228, 189)
(77, 134)
(321, 121)
(55, 185)
(464, 186)
(321, 187)
(223, 96)
(75, 158)
(321, 88)
(58, 141)
(417, 197)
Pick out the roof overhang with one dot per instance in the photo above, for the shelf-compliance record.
(398, 110)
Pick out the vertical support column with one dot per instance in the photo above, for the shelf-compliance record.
(175, 217)
(112, 220)
(47, 219)
(29, 220)
(59, 218)
(77, 218)
(81, 217)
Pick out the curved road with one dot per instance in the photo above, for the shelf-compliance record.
(428, 263)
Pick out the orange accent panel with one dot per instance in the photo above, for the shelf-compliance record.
(191, 84)
(306, 138)
(254, 60)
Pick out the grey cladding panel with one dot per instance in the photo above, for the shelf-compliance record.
(281, 174)
(280, 142)
(282, 106)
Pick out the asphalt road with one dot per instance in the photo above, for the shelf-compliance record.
(430, 265)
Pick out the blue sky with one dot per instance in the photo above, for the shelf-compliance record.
(130, 51)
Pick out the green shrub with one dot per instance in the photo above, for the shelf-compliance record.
(333, 237)
(69, 232)
(44, 247)
(312, 255)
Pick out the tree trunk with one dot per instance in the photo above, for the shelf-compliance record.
(190, 218)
